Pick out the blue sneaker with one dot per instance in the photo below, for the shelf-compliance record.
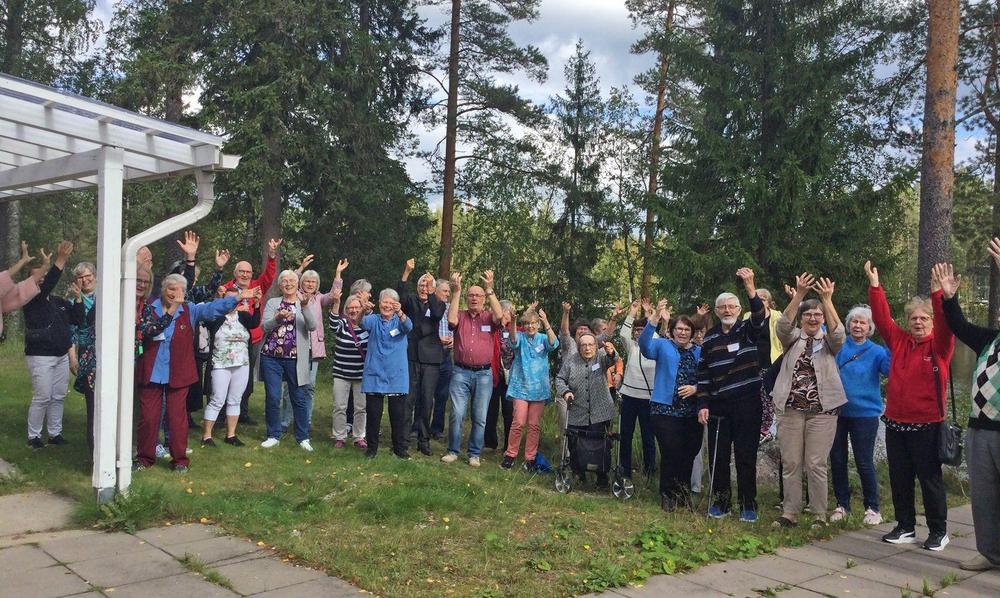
(748, 516)
(716, 513)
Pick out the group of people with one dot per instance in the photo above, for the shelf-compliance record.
(800, 374)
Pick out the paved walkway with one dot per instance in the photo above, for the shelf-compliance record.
(39, 561)
(855, 564)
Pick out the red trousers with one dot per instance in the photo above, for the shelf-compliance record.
(151, 397)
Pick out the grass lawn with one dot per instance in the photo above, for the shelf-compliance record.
(417, 528)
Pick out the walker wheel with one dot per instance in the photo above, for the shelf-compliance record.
(622, 487)
(564, 482)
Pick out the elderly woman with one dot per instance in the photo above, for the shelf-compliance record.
(862, 364)
(83, 355)
(285, 356)
(673, 405)
(386, 376)
(309, 285)
(914, 408)
(584, 386)
(807, 395)
(636, 390)
(529, 389)
(349, 350)
(14, 295)
(167, 369)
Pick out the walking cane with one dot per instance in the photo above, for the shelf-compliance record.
(715, 454)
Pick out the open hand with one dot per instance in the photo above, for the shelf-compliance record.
(948, 282)
(341, 266)
(306, 261)
(824, 288)
(272, 246)
(189, 245)
(872, 273)
(804, 282)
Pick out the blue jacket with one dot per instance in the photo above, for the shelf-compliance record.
(664, 352)
(860, 369)
(199, 312)
(386, 368)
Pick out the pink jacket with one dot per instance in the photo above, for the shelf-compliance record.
(14, 295)
(316, 336)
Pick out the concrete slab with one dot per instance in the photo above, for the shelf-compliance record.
(799, 593)
(926, 561)
(24, 558)
(839, 584)
(7, 469)
(22, 539)
(669, 585)
(966, 542)
(48, 582)
(961, 514)
(186, 584)
(780, 569)
(895, 574)
(95, 546)
(726, 578)
(951, 554)
(987, 579)
(213, 550)
(123, 569)
(814, 555)
(34, 512)
(262, 575)
(865, 548)
(178, 534)
(243, 558)
(327, 587)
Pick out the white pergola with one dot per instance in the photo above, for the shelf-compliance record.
(51, 141)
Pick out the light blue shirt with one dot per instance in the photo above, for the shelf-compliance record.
(529, 372)
(198, 312)
(386, 370)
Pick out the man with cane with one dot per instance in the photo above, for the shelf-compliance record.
(729, 398)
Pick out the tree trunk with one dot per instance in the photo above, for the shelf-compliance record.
(271, 206)
(937, 169)
(451, 139)
(654, 158)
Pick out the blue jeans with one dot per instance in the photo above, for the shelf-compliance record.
(441, 395)
(467, 385)
(633, 409)
(862, 431)
(286, 404)
(274, 372)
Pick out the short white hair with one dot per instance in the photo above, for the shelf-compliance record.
(311, 274)
(723, 297)
(861, 311)
(361, 285)
(286, 273)
(388, 293)
(172, 279)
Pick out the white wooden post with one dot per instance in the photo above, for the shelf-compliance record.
(109, 241)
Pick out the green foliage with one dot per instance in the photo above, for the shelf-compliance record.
(138, 509)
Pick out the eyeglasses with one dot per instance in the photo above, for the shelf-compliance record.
(142, 282)
(244, 271)
(811, 316)
(85, 277)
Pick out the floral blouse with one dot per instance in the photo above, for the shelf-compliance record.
(281, 343)
(231, 343)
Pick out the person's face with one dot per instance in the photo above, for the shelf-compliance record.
(289, 286)
(353, 310)
(580, 331)
(142, 284)
(636, 332)
(425, 286)
(87, 281)
(443, 292)
(243, 273)
(682, 334)
(365, 296)
(921, 323)
(859, 329)
(698, 336)
(476, 298)
(174, 293)
(587, 345)
(765, 296)
(812, 320)
(728, 311)
(386, 307)
(531, 326)
(600, 328)
(309, 285)
(221, 292)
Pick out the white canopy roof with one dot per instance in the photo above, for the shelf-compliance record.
(51, 141)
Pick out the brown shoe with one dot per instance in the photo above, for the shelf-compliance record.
(977, 563)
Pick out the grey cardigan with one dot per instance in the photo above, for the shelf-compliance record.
(824, 358)
(588, 381)
(305, 323)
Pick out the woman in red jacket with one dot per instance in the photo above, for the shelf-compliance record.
(914, 408)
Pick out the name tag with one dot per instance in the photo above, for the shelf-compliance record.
(595, 367)
(505, 334)
(427, 313)
(363, 334)
(733, 347)
(486, 328)
(394, 332)
(160, 337)
(539, 349)
(817, 347)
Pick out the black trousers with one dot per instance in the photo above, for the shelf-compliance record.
(420, 401)
(735, 428)
(498, 404)
(680, 440)
(201, 388)
(245, 401)
(397, 422)
(88, 397)
(914, 454)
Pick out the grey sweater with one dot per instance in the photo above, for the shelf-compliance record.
(588, 381)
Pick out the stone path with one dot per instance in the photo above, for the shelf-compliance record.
(854, 564)
(168, 562)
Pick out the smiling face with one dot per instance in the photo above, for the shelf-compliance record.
(682, 334)
(812, 320)
(289, 286)
(173, 294)
(142, 283)
(531, 325)
(443, 292)
(386, 307)
(728, 311)
(87, 281)
(309, 285)
(243, 274)
(353, 310)
(476, 299)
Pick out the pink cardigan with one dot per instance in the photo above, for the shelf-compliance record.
(14, 295)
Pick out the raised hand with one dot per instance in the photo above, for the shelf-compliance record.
(272, 247)
(746, 275)
(647, 308)
(948, 282)
(633, 309)
(824, 288)
(542, 317)
(804, 282)
(789, 291)
(703, 309)
(994, 248)
(872, 273)
(410, 265)
(23, 260)
(337, 293)
(306, 261)
(456, 281)
(74, 291)
(46, 257)
(533, 306)
(221, 258)
(609, 347)
(487, 279)
(189, 245)
(566, 306)
(663, 309)
(341, 266)
(64, 250)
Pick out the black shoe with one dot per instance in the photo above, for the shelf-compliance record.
(208, 442)
(425, 449)
(936, 541)
(36, 443)
(530, 466)
(437, 435)
(404, 455)
(247, 420)
(234, 440)
(57, 439)
(899, 535)
(507, 462)
(668, 503)
(370, 453)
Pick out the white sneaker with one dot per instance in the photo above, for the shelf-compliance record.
(161, 451)
(838, 514)
(872, 517)
(449, 458)
(270, 442)
(188, 451)
(474, 462)
(306, 446)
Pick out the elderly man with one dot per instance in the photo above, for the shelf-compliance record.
(472, 376)
(442, 291)
(243, 279)
(729, 397)
(424, 351)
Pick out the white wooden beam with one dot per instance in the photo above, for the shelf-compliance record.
(50, 171)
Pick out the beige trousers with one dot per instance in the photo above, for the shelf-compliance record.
(805, 440)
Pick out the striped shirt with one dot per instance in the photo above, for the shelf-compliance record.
(730, 366)
(348, 362)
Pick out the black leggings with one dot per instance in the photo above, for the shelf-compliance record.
(680, 440)
(397, 422)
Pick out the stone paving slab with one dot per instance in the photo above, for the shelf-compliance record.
(781, 569)
(214, 550)
(961, 514)
(22, 539)
(262, 575)
(326, 587)
(815, 555)
(48, 582)
(169, 535)
(669, 585)
(866, 548)
(921, 561)
(175, 586)
(122, 569)
(898, 575)
(92, 546)
(34, 512)
(24, 558)
(839, 584)
(725, 578)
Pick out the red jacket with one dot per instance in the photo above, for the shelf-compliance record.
(263, 281)
(911, 396)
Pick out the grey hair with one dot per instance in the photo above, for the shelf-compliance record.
(388, 293)
(286, 273)
(441, 281)
(808, 304)
(921, 303)
(723, 297)
(506, 305)
(351, 298)
(79, 269)
(310, 274)
(361, 285)
(172, 279)
(861, 311)
(596, 322)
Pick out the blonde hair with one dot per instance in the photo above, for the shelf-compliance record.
(149, 287)
(529, 315)
(922, 303)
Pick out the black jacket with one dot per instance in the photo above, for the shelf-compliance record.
(46, 320)
(424, 344)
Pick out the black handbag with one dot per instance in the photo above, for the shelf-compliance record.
(949, 432)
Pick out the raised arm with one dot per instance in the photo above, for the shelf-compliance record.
(835, 335)
(456, 297)
(266, 278)
(884, 323)
(564, 319)
(550, 334)
(492, 297)
(758, 311)
(975, 337)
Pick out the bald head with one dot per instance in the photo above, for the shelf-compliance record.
(243, 274)
(475, 298)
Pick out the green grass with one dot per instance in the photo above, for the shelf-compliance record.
(417, 528)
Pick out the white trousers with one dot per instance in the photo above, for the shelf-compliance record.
(228, 385)
(341, 393)
(49, 384)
